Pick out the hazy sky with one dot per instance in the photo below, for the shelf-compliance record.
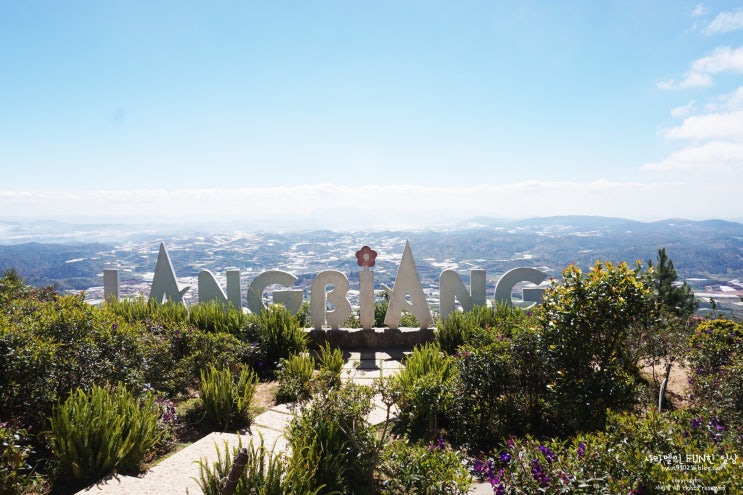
(371, 111)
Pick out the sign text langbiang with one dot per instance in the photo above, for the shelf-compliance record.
(406, 293)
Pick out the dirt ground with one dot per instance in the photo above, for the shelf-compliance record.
(677, 390)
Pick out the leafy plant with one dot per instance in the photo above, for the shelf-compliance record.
(103, 429)
(425, 387)
(587, 321)
(434, 469)
(332, 442)
(331, 363)
(265, 473)
(280, 334)
(295, 375)
(716, 361)
(502, 387)
(16, 474)
(227, 395)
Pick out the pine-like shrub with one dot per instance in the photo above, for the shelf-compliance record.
(280, 334)
(294, 375)
(331, 362)
(103, 429)
(424, 388)
(265, 473)
(227, 395)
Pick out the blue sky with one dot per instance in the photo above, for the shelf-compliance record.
(371, 112)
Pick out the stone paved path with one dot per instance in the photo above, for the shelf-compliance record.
(177, 474)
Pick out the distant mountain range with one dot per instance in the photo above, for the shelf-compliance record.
(707, 253)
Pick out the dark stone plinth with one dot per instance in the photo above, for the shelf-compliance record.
(356, 338)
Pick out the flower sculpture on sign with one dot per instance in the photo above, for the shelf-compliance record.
(366, 257)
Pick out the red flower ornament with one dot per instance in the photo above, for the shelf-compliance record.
(366, 257)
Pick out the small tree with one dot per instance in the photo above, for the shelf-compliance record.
(674, 297)
(587, 321)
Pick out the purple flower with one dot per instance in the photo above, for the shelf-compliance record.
(438, 444)
(505, 457)
(538, 473)
(696, 422)
(581, 449)
(547, 453)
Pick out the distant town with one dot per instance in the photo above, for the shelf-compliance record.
(707, 255)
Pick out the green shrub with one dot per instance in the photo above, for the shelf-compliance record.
(426, 470)
(265, 473)
(332, 442)
(280, 334)
(213, 316)
(191, 351)
(424, 388)
(331, 365)
(676, 452)
(103, 429)
(16, 474)
(455, 331)
(227, 395)
(294, 375)
(65, 343)
(587, 322)
(150, 312)
(716, 361)
(501, 388)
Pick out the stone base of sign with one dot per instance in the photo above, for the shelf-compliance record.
(357, 338)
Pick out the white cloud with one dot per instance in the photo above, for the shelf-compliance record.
(734, 101)
(726, 22)
(684, 110)
(366, 207)
(714, 156)
(699, 10)
(709, 126)
(722, 59)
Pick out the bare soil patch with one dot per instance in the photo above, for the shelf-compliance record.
(677, 389)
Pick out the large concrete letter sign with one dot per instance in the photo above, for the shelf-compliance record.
(512, 277)
(164, 283)
(366, 299)
(336, 297)
(451, 287)
(407, 282)
(291, 299)
(111, 285)
(209, 289)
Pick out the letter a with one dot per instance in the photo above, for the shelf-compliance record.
(164, 283)
(407, 282)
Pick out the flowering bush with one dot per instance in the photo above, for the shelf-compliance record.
(434, 469)
(668, 453)
(716, 362)
(502, 387)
